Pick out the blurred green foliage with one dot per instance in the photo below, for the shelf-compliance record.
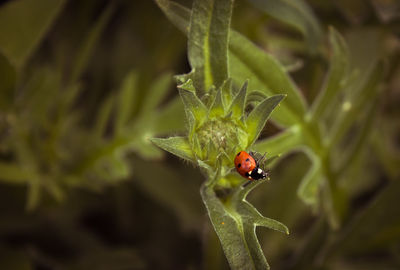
(85, 84)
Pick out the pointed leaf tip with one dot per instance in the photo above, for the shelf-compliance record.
(24, 25)
(193, 105)
(176, 13)
(178, 146)
(217, 108)
(187, 85)
(256, 120)
(238, 103)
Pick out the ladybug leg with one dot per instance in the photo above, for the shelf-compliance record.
(257, 157)
(262, 158)
(246, 184)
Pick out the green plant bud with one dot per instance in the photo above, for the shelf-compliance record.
(218, 136)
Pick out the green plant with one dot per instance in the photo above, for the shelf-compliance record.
(221, 59)
(46, 144)
(85, 84)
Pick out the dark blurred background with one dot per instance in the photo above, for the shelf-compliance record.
(83, 86)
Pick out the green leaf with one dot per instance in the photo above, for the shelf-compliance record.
(247, 61)
(110, 165)
(96, 156)
(117, 166)
(217, 108)
(193, 105)
(281, 143)
(282, 188)
(23, 24)
(85, 52)
(334, 203)
(8, 79)
(146, 150)
(185, 79)
(256, 96)
(246, 210)
(210, 170)
(309, 186)
(185, 82)
(176, 13)
(157, 92)
(344, 108)
(54, 189)
(256, 120)
(208, 42)
(171, 118)
(353, 107)
(226, 89)
(296, 14)
(235, 223)
(34, 193)
(228, 231)
(13, 173)
(126, 101)
(355, 149)
(238, 103)
(40, 93)
(103, 117)
(338, 73)
(68, 97)
(178, 146)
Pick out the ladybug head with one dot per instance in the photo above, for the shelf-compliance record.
(258, 173)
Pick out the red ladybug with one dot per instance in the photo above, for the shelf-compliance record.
(248, 167)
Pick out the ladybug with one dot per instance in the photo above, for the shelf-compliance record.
(248, 167)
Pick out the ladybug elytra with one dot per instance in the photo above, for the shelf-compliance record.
(247, 166)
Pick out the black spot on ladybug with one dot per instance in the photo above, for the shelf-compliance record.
(247, 159)
(239, 165)
(239, 153)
